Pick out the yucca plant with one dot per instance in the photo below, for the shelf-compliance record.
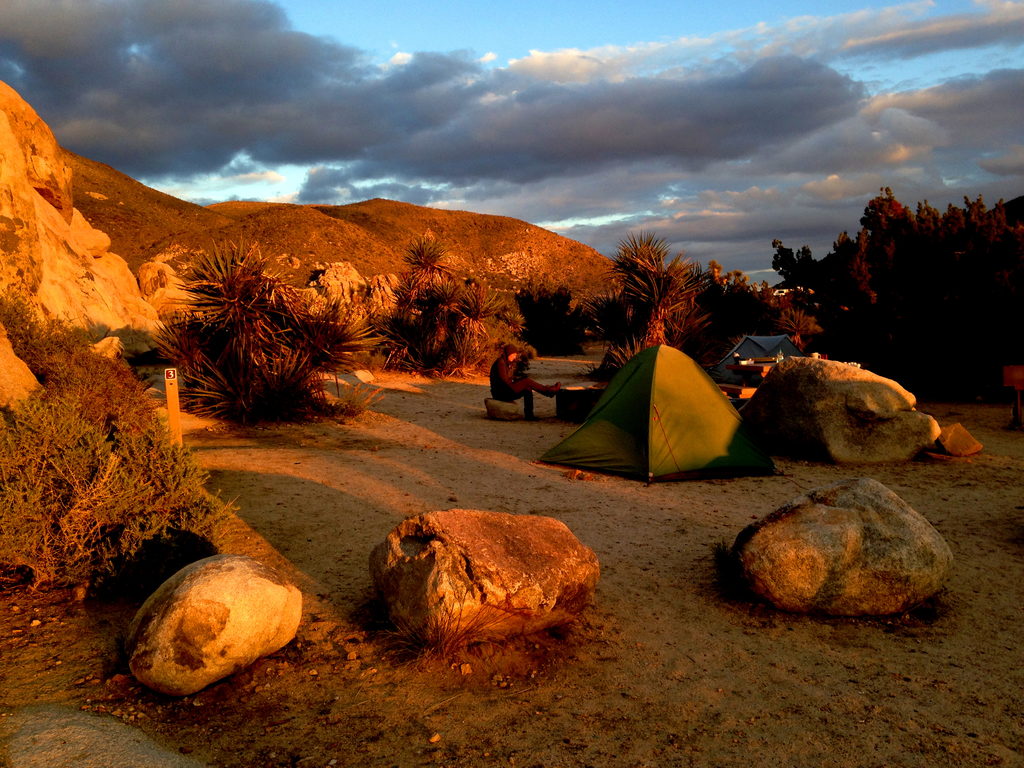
(798, 324)
(442, 326)
(654, 303)
(252, 348)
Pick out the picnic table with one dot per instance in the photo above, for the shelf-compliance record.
(748, 371)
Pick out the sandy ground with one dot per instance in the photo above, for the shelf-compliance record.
(664, 670)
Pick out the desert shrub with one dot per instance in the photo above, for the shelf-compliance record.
(89, 479)
(80, 500)
(352, 401)
(553, 324)
(91, 487)
(440, 325)
(252, 348)
(105, 391)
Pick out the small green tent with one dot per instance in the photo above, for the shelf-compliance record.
(662, 418)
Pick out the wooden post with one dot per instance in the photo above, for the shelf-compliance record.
(173, 408)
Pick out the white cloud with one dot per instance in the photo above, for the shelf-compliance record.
(565, 66)
(835, 187)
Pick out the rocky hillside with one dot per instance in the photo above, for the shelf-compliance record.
(372, 235)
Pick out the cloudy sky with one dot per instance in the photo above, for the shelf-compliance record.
(718, 126)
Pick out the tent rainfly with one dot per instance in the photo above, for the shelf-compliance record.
(662, 418)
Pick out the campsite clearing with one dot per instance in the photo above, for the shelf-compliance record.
(662, 671)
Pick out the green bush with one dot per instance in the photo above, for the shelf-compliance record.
(89, 479)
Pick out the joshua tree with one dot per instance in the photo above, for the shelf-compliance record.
(252, 348)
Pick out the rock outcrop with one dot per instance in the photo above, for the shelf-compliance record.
(16, 380)
(851, 549)
(210, 620)
(161, 286)
(482, 575)
(822, 409)
(51, 254)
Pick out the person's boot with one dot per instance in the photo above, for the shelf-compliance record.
(552, 390)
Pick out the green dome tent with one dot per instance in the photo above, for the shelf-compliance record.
(662, 418)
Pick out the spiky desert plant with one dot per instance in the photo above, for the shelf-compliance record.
(427, 264)
(798, 324)
(653, 287)
(655, 301)
(252, 348)
(440, 325)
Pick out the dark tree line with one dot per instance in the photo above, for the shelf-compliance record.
(932, 299)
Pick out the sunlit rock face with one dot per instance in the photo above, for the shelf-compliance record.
(47, 249)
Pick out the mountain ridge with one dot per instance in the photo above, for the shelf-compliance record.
(145, 224)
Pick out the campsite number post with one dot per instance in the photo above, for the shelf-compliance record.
(173, 408)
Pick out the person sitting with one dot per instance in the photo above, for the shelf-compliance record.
(506, 387)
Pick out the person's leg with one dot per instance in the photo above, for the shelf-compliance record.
(529, 385)
(528, 405)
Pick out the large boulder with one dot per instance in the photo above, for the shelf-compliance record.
(851, 549)
(162, 287)
(823, 409)
(51, 735)
(16, 380)
(341, 280)
(51, 254)
(28, 143)
(210, 620)
(482, 575)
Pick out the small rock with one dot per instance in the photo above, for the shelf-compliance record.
(435, 738)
